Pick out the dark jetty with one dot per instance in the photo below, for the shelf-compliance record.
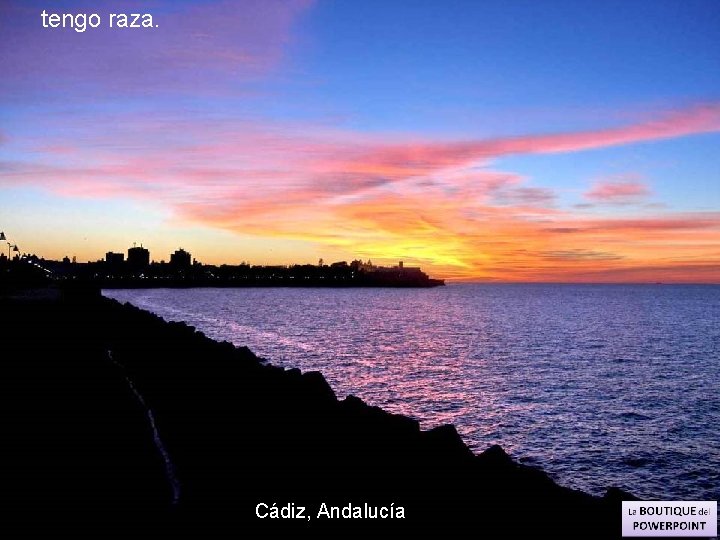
(116, 420)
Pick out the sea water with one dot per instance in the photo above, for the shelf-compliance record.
(598, 385)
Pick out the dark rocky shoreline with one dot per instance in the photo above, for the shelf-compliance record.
(238, 432)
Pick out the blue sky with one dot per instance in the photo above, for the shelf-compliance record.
(474, 67)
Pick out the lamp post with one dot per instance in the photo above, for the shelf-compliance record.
(13, 247)
(2, 236)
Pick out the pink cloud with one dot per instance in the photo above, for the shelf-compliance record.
(618, 191)
(530, 196)
(378, 163)
(222, 44)
(254, 161)
(676, 222)
(699, 119)
(328, 169)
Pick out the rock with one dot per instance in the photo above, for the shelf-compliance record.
(495, 457)
(318, 387)
(446, 441)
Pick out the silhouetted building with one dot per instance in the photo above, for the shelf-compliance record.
(138, 258)
(180, 259)
(114, 259)
(408, 269)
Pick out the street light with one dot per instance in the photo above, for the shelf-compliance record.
(2, 236)
(13, 247)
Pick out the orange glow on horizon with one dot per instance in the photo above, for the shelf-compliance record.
(283, 197)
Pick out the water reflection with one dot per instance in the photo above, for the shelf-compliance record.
(599, 385)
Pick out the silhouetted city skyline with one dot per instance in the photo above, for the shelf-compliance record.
(139, 270)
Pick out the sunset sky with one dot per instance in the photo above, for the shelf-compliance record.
(487, 140)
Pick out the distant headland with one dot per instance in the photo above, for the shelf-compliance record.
(138, 271)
